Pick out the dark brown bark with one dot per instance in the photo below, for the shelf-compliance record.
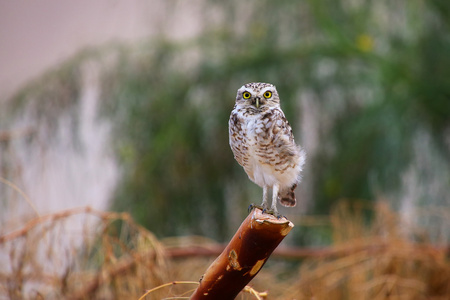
(243, 257)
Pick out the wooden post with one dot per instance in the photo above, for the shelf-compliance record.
(243, 257)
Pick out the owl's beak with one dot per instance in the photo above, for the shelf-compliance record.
(257, 102)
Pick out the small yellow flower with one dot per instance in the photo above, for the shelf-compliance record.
(364, 43)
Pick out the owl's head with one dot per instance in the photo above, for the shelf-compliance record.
(258, 95)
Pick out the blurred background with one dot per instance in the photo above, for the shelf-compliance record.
(124, 106)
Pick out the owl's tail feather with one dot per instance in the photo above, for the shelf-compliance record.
(287, 197)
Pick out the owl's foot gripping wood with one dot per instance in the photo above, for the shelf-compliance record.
(265, 210)
(274, 213)
(264, 207)
(253, 206)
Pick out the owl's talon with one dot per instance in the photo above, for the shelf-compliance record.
(273, 213)
(266, 210)
(277, 215)
(252, 206)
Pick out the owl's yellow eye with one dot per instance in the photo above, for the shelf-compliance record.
(246, 95)
(267, 94)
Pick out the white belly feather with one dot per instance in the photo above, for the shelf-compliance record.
(265, 174)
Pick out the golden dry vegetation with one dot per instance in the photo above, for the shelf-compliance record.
(122, 260)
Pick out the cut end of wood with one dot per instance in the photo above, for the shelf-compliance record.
(257, 214)
(263, 221)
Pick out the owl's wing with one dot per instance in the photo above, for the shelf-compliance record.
(282, 136)
(237, 137)
(290, 153)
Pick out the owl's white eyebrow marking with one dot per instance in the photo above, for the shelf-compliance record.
(267, 89)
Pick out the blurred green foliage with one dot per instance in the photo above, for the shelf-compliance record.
(379, 72)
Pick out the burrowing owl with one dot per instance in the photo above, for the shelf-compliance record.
(262, 142)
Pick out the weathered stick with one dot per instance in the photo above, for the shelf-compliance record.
(243, 257)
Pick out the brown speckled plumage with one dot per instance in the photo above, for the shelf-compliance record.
(263, 144)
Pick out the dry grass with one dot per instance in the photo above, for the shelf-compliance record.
(381, 262)
(45, 259)
(119, 259)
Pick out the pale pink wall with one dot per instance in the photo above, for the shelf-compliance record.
(35, 35)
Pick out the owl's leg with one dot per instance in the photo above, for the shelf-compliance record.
(275, 191)
(264, 204)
